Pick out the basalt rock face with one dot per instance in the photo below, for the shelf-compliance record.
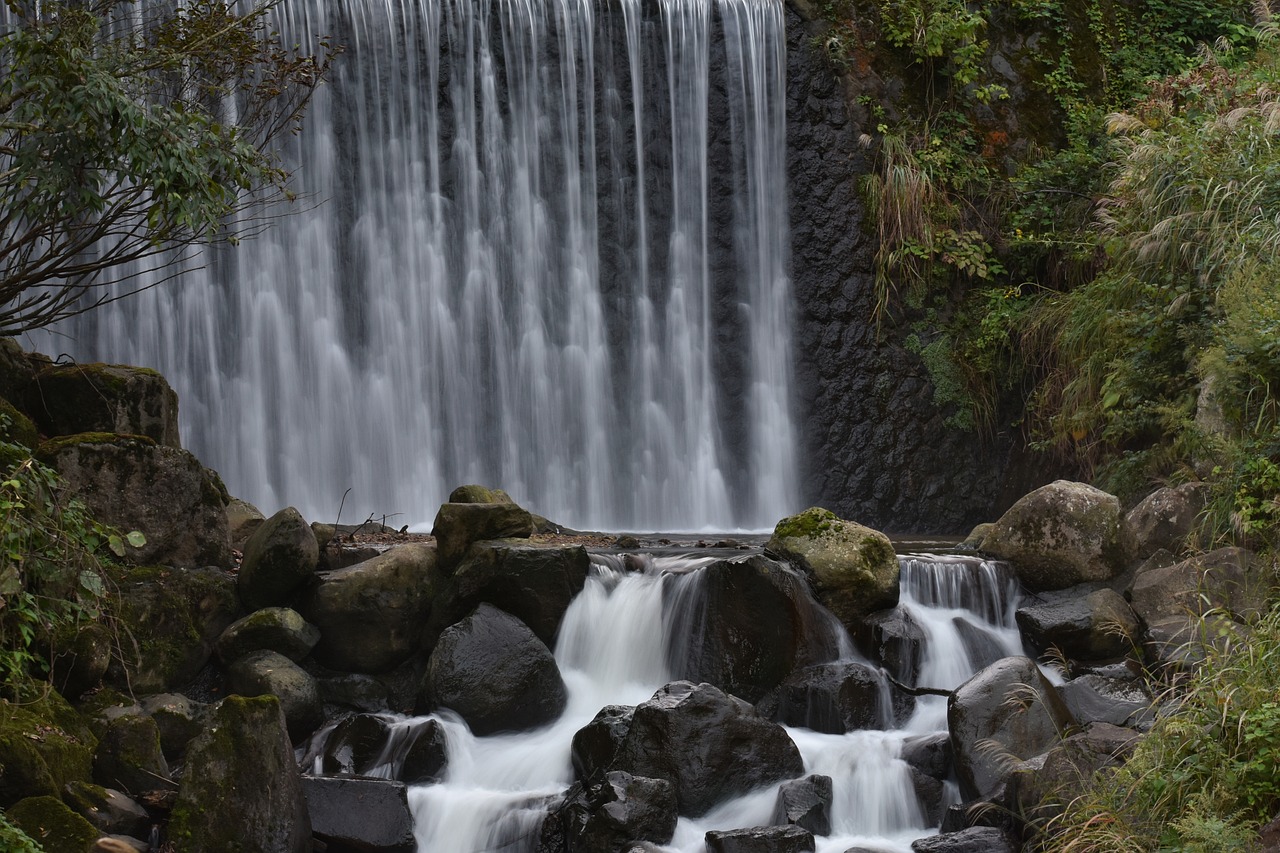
(875, 445)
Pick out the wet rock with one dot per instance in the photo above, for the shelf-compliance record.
(178, 720)
(129, 756)
(243, 519)
(426, 756)
(751, 623)
(171, 619)
(596, 744)
(491, 669)
(533, 583)
(274, 629)
(360, 814)
(265, 672)
(1060, 535)
(929, 754)
(1084, 624)
(834, 698)
(1040, 788)
(805, 803)
(977, 839)
(761, 839)
(354, 745)
(110, 811)
(854, 568)
(709, 744)
(980, 647)
(370, 615)
(243, 762)
(1008, 712)
(1224, 579)
(66, 399)
(1168, 518)
(973, 541)
(1097, 698)
(42, 748)
(459, 525)
(131, 483)
(610, 812)
(278, 558)
(896, 641)
(354, 691)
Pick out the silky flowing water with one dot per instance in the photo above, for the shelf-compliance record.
(616, 646)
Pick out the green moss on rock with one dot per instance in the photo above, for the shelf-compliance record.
(21, 429)
(50, 448)
(53, 825)
(38, 756)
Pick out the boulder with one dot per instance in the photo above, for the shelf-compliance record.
(66, 399)
(608, 812)
(760, 839)
(169, 621)
(930, 795)
(1082, 623)
(834, 698)
(131, 483)
(244, 764)
(474, 494)
(129, 757)
(355, 692)
(749, 623)
(1168, 518)
(15, 427)
(894, 639)
(178, 719)
(1006, 713)
(533, 583)
(596, 744)
(18, 369)
(44, 745)
(854, 568)
(266, 672)
(370, 615)
(1185, 642)
(1040, 789)
(278, 558)
(492, 670)
(1099, 699)
(354, 745)
(275, 629)
(973, 541)
(805, 803)
(977, 839)
(929, 754)
(709, 744)
(110, 811)
(422, 754)
(370, 815)
(459, 525)
(81, 657)
(1060, 535)
(1224, 580)
(243, 520)
(52, 824)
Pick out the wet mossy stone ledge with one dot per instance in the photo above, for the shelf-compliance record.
(853, 568)
(66, 399)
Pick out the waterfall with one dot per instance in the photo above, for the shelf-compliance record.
(541, 245)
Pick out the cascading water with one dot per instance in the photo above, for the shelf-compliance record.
(543, 246)
(615, 646)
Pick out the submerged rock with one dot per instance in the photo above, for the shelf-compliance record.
(1060, 535)
(492, 670)
(854, 568)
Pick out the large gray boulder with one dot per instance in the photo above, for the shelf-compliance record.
(129, 757)
(360, 814)
(1005, 714)
(370, 615)
(278, 558)
(1084, 624)
(596, 744)
(709, 744)
(496, 673)
(750, 624)
(1225, 580)
(66, 399)
(854, 568)
(163, 492)
(1168, 518)
(805, 803)
(276, 629)
(169, 620)
(531, 582)
(241, 789)
(458, 525)
(608, 812)
(1060, 535)
(266, 672)
(834, 698)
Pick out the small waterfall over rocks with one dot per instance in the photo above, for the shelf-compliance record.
(623, 638)
(542, 245)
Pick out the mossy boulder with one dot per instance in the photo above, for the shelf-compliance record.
(1060, 535)
(18, 368)
(66, 399)
(44, 745)
(276, 629)
(278, 558)
(265, 672)
(242, 790)
(1168, 518)
(243, 519)
(853, 568)
(459, 525)
(132, 483)
(20, 429)
(169, 621)
(370, 615)
(473, 494)
(178, 718)
(107, 809)
(53, 825)
(81, 656)
(129, 757)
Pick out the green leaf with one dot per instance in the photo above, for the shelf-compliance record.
(135, 538)
(92, 582)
